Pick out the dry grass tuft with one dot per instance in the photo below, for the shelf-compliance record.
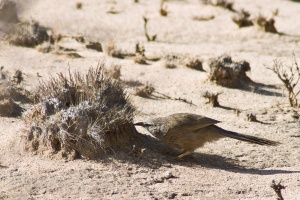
(95, 46)
(266, 24)
(212, 98)
(225, 72)
(251, 117)
(28, 34)
(242, 19)
(79, 115)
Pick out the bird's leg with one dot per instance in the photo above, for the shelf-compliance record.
(184, 153)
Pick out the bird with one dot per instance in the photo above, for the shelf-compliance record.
(187, 132)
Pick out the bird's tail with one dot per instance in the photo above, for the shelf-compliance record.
(248, 138)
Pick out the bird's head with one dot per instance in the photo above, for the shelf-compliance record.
(152, 128)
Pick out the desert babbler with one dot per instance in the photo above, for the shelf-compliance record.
(188, 132)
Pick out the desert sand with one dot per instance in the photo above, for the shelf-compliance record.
(226, 169)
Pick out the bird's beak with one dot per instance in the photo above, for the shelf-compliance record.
(143, 124)
(139, 124)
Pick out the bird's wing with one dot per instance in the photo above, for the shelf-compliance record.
(186, 122)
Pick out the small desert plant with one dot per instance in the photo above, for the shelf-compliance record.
(163, 10)
(225, 72)
(268, 25)
(95, 46)
(140, 57)
(251, 117)
(212, 98)
(139, 49)
(242, 19)
(153, 38)
(83, 115)
(194, 63)
(221, 3)
(28, 34)
(290, 76)
(18, 77)
(277, 188)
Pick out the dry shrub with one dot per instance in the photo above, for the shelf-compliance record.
(28, 34)
(290, 77)
(83, 115)
(242, 19)
(194, 63)
(212, 98)
(266, 24)
(225, 72)
(251, 117)
(95, 46)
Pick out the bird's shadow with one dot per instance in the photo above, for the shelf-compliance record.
(161, 154)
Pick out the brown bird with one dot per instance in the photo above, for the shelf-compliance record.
(188, 132)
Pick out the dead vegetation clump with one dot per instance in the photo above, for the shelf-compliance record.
(290, 76)
(163, 10)
(95, 46)
(251, 117)
(172, 60)
(242, 19)
(28, 34)
(140, 57)
(266, 24)
(10, 94)
(225, 72)
(194, 63)
(212, 98)
(79, 115)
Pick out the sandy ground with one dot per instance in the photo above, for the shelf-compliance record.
(227, 169)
